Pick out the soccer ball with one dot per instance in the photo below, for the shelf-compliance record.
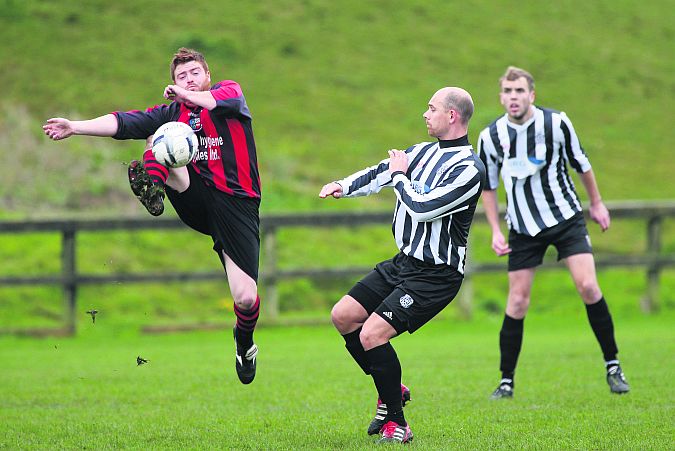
(174, 144)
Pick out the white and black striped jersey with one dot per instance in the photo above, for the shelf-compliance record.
(532, 159)
(436, 199)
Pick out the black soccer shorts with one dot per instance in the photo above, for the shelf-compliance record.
(570, 237)
(407, 292)
(232, 222)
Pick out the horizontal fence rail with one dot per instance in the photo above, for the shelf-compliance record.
(652, 212)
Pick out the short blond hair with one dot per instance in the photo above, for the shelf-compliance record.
(513, 73)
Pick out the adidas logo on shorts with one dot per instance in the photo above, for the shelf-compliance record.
(387, 314)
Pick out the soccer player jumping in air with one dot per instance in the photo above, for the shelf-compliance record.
(217, 194)
(437, 186)
(530, 148)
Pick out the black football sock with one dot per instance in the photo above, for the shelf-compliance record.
(397, 417)
(510, 342)
(603, 328)
(355, 348)
(385, 369)
(157, 172)
(246, 322)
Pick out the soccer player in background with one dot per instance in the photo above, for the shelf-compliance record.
(530, 148)
(217, 193)
(437, 186)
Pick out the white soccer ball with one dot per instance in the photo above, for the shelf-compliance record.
(174, 144)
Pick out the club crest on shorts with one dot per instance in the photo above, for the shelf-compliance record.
(406, 301)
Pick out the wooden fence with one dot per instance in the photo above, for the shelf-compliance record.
(653, 213)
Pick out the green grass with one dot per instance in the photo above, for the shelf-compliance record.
(87, 392)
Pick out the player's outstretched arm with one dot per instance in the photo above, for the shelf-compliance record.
(58, 128)
(331, 189)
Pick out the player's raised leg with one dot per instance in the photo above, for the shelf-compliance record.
(582, 269)
(147, 179)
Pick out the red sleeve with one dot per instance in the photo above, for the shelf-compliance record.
(230, 100)
(226, 89)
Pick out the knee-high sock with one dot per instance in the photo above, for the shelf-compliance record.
(603, 328)
(386, 372)
(157, 172)
(355, 348)
(510, 342)
(246, 321)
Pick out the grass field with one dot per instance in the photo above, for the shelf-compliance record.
(87, 392)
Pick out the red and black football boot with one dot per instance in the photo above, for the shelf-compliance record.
(381, 412)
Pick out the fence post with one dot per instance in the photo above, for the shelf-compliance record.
(272, 296)
(69, 282)
(649, 302)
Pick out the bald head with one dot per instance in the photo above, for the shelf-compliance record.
(457, 99)
(448, 114)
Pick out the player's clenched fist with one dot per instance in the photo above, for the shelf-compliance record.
(331, 189)
(398, 161)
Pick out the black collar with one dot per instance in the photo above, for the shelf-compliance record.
(445, 143)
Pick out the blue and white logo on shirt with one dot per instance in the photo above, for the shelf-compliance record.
(420, 188)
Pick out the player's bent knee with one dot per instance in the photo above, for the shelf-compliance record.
(179, 179)
(517, 306)
(372, 338)
(245, 299)
(589, 291)
(347, 314)
(337, 317)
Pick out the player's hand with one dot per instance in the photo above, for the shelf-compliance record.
(499, 244)
(58, 128)
(600, 214)
(331, 189)
(398, 161)
(175, 92)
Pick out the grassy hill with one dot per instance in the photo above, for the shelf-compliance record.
(331, 85)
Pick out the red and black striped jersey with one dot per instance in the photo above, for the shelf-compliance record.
(227, 157)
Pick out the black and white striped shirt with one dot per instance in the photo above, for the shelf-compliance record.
(532, 159)
(436, 199)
